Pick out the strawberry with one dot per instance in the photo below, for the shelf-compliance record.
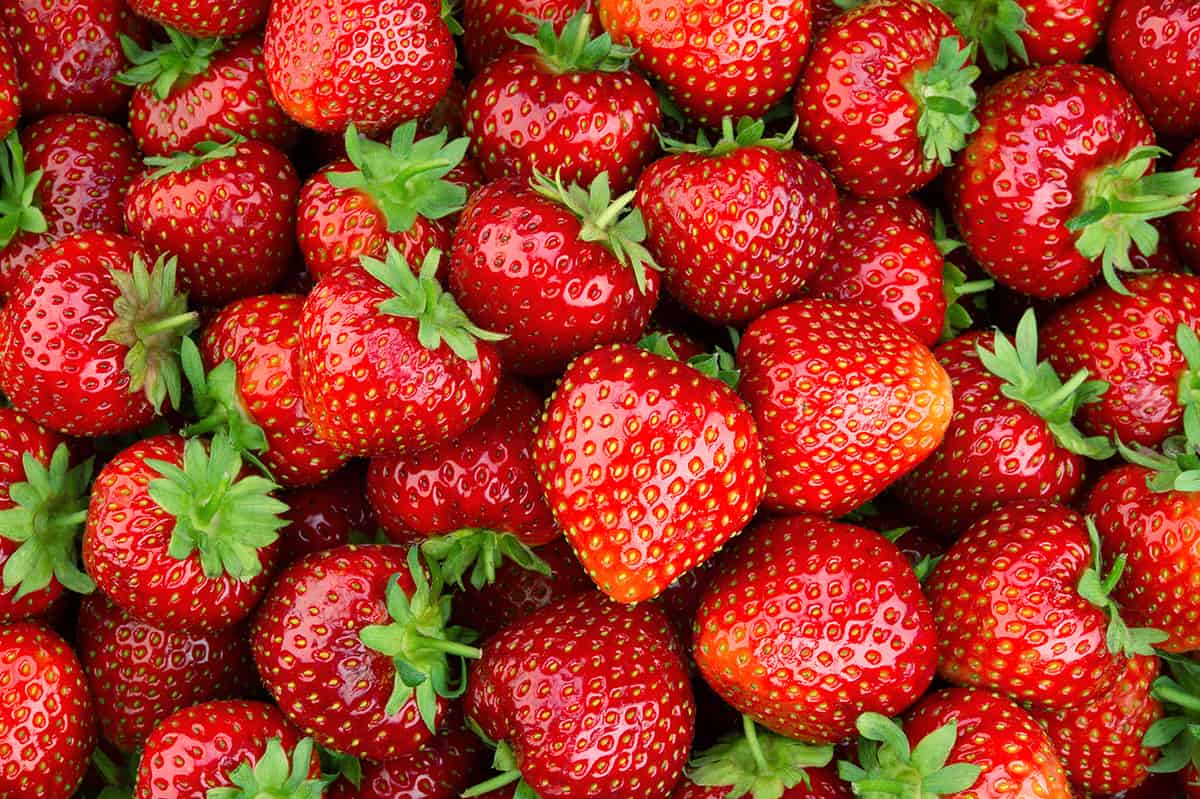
(1033, 32)
(737, 226)
(139, 674)
(715, 60)
(1043, 215)
(1154, 48)
(224, 18)
(189, 91)
(441, 769)
(1177, 733)
(558, 269)
(10, 89)
(563, 103)
(372, 63)
(88, 338)
(440, 374)
(179, 536)
(323, 515)
(1185, 225)
(488, 25)
(846, 401)
(808, 623)
(886, 97)
(227, 749)
(584, 698)
(47, 729)
(372, 607)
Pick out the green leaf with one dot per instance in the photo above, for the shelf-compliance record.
(995, 25)
(167, 64)
(574, 50)
(19, 199)
(945, 95)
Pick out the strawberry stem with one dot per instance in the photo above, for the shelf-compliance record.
(945, 95)
(995, 25)
(1097, 590)
(19, 204)
(574, 50)
(166, 64)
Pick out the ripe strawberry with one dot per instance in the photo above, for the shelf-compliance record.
(1033, 32)
(563, 103)
(179, 536)
(557, 269)
(47, 729)
(885, 99)
(190, 91)
(1154, 48)
(1043, 215)
(226, 750)
(488, 25)
(738, 226)
(324, 515)
(846, 401)
(441, 769)
(139, 674)
(440, 375)
(88, 338)
(224, 18)
(372, 607)
(10, 89)
(586, 697)
(716, 60)
(1185, 225)
(371, 63)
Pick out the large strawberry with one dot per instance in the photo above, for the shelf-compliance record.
(846, 401)
(584, 698)
(488, 25)
(739, 225)
(372, 63)
(886, 97)
(10, 88)
(1154, 48)
(1034, 32)
(808, 623)
(221, 18)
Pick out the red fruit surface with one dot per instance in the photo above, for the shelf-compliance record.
(10, 88)
(487, 24)
(322, 516)
(441, 769)
(218, 19)
(1154, 48)
(1185, 225)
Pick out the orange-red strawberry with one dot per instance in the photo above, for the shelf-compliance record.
(1034, 32)
(10, 88)
(221, 18)
(1154, 48)
(488, 25)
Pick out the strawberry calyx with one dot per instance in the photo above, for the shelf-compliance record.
(480, 552)
(504, 761)
(421, 642)
(1177, 734)
(185, 161)
(996, 25)
(955, 285)
(420, 296)
(604, 220)
(574, 50)
(888, 768)
(1118, 205)
(47, 519)
(340, 766)
(218, 405)
(749, 132)
(1188, 395)
(757, 765)
(945, 96)
(19, 203)
(275, 775)
(717, 364)
(405, 178)
(118, 778)
(450, 9)
(1038, 387)
(1096, 587)
(167, 63)
(151, 321)
(221, 517)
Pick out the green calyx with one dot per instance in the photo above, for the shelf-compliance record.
(47, 519)
(757, 765)
(338, 766)
(151, 321)
(749, 132)
(429, 654)
(717, 364)
(421, 297)
(450, 10)
(19, 209)
(1188, 394)
(604, 220)
(945, 97)
(1035, 385)
(888, 768)
(996, 25)
(204, 152)
(405, 178)
(118, 777)
(1119, 203)
(167, 63)
(574, 50)
(274, 776)
(504, 761)
(479, 552)
(218, 405)
(1175, 468)
(1096, 587)
(1177, 734)
(955, 285)
(221, 517)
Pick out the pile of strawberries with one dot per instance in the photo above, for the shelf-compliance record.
(599, 399)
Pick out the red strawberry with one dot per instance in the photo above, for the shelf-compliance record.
(323, 515)
(10, 88)
(139, 674)
(1154, 48)
(47, 729)
(846, 402)
(190, 91)
(563, 103)
(1034, 32)
(371, 63)
(716, 60)
(1035, 208)
(355, 645)
(439, 376)
(1185, 225)
(441, 769)
(488, 25)
(586, 697)
(738, 226)
(223, 18)
(558, 269)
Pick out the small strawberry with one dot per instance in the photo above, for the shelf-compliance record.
(1154, 48)
(1032, 32)
(323, 515)
(441, 769)
(10, 89)
(223, 18)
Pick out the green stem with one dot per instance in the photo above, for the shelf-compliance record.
(1168, 692)
(495, 783)
(760, 760)
(447, 646)
(148, 329)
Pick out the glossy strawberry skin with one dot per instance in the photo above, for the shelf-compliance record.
(322, 516)
(1154, 48)
(221, 19)
(441, 769)
(813, 374)
(232, 94)
(487, 24)
(740, 233)
(853, 102)
(376, 64)
(1059, 31)
(1185, 225)
(631, 737)
(519, 267)
(773, 635)
(822, 783)
(125, 550)
(10, 88)
(261, 335)
(47, 728)
(1043, 134)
